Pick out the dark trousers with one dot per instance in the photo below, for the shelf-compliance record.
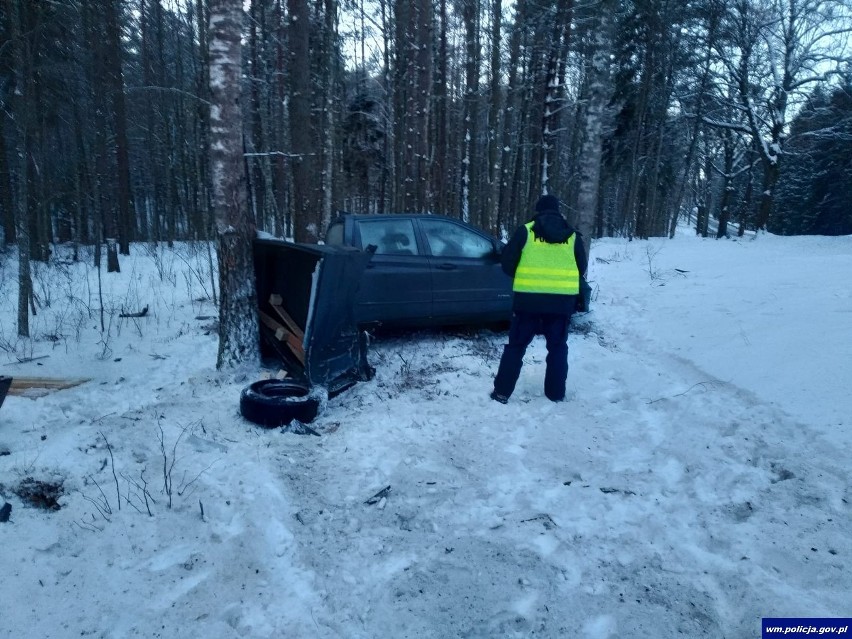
(525, 326)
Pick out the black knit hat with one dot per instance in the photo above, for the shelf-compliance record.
(547, 203)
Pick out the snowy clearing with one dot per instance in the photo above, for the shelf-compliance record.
(696, 480)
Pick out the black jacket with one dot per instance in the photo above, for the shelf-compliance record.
(553, 228)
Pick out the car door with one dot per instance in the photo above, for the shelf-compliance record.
(397, 284)
(468, 283)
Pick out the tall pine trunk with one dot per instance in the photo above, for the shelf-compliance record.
(115, 82)
(306, 218)
(495, 121)
(22, 69)
(469, 199)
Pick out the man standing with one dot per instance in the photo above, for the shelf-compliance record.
(546, 260)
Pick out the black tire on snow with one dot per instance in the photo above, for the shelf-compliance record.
(276, 402)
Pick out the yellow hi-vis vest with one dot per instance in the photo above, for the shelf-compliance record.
(547, 268)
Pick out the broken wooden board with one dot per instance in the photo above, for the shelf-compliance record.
(34, 387)
(285, 336)
(275, 301)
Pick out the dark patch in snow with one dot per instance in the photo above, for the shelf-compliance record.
(39, 494)
(781, 474)
(740, 512)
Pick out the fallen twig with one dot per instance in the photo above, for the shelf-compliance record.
(659, 399)
(609, 491)
(545, 519)
(298, 428)
(141, 313)
(114, 476)
(382, 494)
(26, 360)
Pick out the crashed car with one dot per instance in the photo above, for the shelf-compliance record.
(426, 270)
(390, 270)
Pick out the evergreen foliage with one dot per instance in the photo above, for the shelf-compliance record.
(815, 196)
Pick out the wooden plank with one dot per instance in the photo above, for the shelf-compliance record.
(283, 335)
(275, 301)
(40, 386)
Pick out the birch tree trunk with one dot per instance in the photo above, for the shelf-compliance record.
(235, 227)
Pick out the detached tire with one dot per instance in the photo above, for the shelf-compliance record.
(276, 402)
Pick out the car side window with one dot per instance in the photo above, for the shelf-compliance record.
(452, 240)
(391, 237)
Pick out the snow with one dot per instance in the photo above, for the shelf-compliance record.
(696, 480)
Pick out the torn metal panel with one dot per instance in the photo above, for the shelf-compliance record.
(309, 291)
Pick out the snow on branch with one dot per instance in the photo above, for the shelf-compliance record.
(733, 126)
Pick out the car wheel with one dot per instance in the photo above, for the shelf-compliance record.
(276, 402)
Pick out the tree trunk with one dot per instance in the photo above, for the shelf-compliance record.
(7, 179)
(387, 193)
(105, 166)
(306, 218)
(442, 162)
(238, 331)
(507, 213)
(552, 100)
(727, 186)
(495, 122)
(420, 141)
(205, 216)
(115, 82)
(470, 184)
(771, 173)
(152, 199)
(591, 153)
(22, 69)
(329, 83)
(279, 177)
(256, 190)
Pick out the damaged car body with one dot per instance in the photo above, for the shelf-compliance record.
(306, 316)
(374, 270)
(427, 270)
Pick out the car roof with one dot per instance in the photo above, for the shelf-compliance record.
(390, 216)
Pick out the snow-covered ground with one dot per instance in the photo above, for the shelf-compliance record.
(697, 479)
